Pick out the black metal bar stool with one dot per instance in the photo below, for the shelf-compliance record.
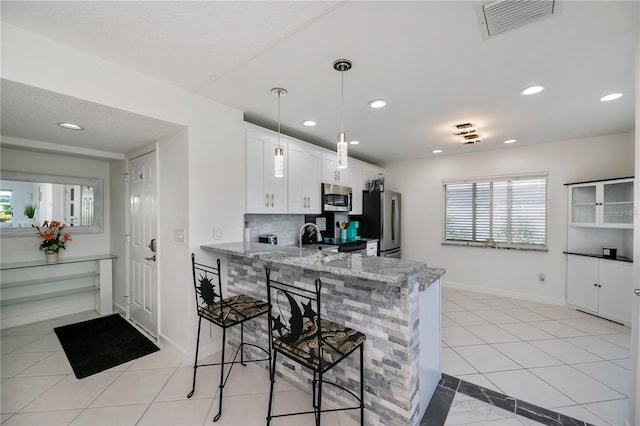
(317, 344)
(225, 313)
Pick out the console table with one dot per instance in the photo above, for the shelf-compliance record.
(35, 290)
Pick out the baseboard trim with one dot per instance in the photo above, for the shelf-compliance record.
(504, 293)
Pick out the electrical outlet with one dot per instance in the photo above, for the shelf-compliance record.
(178, 235)
(541, 279)
(217, 233)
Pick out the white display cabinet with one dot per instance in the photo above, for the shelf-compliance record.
(606, 204)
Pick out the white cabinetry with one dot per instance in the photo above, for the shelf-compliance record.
(304, 177)
(600, 286)
(372, 248)
(371, 172)
(359, 174)
(330, 171)
(356, 182)
(265, 192)
(607, 204)
(306, 166)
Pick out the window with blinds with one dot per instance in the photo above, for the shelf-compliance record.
(498, 211)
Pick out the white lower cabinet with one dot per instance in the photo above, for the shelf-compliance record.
(600, 286)
(372, 248)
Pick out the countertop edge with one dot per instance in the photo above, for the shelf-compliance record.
(599, 256)
(430, 276)
(265, 255)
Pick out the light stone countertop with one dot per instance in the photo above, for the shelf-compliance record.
(342, 264)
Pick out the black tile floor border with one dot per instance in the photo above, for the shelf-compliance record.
(440, 404)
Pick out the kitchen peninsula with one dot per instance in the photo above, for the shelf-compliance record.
(394, 302)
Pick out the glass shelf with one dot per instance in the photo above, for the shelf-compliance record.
(61, 260)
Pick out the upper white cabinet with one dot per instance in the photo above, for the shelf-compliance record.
(356, 182)
(304, 178)
(330, 171)
(359, 174)
(306, 167)
(265, 192)
(607, 204)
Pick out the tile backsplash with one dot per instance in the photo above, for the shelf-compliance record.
(285, 226)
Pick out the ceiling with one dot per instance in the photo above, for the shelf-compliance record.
(427, 59)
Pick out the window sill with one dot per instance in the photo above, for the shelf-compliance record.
(495, 247)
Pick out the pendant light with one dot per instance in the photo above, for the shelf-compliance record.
(342, 65)
(279, 155)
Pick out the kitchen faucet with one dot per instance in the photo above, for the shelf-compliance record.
(319, 235)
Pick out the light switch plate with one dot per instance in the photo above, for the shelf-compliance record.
(178, 235)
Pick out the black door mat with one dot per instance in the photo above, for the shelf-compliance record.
(102, 343)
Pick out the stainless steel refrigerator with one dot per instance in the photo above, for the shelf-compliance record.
(381, 219)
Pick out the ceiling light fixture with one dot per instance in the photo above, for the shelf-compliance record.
(342, 65)
(70, 126)
(461, 132)
(611, 97)
(511, 141)
(470, 141)
(309, 123)
(532, 90)
(377, 103)
(437, 151)
(468, 133)
(354, 142)
(278, 162)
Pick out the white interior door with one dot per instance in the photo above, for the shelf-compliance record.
(143, 275)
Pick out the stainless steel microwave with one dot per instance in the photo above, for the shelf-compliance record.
(336, 198)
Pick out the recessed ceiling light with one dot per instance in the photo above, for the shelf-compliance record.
(377, 103)
(611, 97)
(70, 126)
(354, 142)
(511, 141)
(309, 123)
(532, 90)
(437, 151)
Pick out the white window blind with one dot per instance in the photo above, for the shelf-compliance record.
(499, 211)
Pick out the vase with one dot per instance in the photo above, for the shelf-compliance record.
(51, 256)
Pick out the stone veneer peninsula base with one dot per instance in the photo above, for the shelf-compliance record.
(395, 303)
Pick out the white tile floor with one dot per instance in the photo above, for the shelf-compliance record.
(39, 388)
(551, 356)
(554, 357)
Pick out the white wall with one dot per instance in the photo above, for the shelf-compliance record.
(215, 147)
(173, 189)
(117, 202)
(26, 248)
(503, 271)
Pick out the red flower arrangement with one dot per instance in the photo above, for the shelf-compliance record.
(53, 239)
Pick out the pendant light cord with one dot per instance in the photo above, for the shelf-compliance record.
(279, 94)
(342, 101)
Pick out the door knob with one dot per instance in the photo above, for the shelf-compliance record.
(153, 258)
(636, 291)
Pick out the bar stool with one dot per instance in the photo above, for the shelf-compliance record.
(316, 344)
(225, 313)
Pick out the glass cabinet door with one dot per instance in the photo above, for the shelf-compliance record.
(583, 204)
(618, 203)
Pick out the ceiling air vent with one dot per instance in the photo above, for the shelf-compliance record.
(503, 15)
